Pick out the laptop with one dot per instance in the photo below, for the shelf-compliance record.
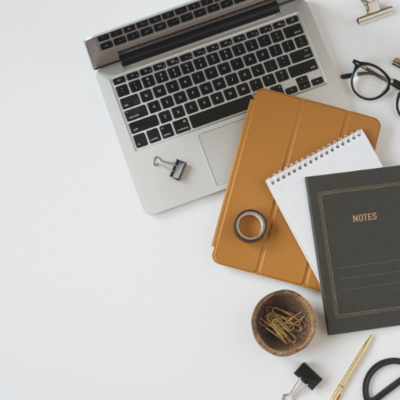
(178, 83)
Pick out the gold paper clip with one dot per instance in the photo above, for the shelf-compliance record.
(374, 12)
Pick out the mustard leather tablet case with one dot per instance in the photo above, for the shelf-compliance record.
(279, 129)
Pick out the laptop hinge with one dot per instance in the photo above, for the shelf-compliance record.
(199, 32)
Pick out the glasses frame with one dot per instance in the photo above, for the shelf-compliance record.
(390, 82)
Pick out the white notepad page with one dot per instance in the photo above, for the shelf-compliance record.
(288, 187)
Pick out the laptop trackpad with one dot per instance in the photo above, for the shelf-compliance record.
(220, 146)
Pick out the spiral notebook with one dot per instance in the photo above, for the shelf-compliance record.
(288, 187)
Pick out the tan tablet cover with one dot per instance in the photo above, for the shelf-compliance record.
(279, 129)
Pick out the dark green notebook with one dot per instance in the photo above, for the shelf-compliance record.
(356, 224)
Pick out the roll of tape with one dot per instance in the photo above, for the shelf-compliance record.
(261, 219)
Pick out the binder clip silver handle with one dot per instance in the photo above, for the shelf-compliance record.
(374, 11)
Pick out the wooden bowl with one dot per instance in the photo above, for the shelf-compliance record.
(289, 301)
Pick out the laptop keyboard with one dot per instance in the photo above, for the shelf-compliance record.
(196, 88)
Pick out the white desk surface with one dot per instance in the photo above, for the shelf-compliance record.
(98, 299)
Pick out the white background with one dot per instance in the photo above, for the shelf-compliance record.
(99, 300)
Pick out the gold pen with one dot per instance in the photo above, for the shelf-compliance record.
(338, 392)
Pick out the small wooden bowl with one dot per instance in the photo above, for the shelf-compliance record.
(289, 301)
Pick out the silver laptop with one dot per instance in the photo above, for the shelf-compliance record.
(177, 85)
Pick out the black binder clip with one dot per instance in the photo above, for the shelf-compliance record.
(307, 376)
(176, 170)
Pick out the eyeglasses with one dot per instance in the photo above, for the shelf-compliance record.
(370, 82)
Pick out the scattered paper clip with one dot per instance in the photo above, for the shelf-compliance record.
(176, 170)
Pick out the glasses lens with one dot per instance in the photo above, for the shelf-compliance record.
(369, 82)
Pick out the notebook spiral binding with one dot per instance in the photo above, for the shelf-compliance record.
(308, 160)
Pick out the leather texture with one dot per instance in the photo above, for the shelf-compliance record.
(279, 129)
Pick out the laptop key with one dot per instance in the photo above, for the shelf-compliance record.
(293, 30)
(185, 57)
(283, 61)
(166, 131)
(239, 50)
(146, 31)
(136, 113)
(148, 81)
(185, 82)
(257, 70)
(187, 17)
(104, 37)
(167, 102)
(305, 85)
(213, 8)
(219, 112)
(135, 86)
(159, 66)
(282, 75)
(226, 3)
(292, 90)
(133, 36)
(271, 66)
(116, 33)
(172, 86)
(187, 67)
(219, 84)
(199, 52)
(301, 41)
(142, 24)
(204, 103)
(180, 97)
(146, 96)
(237, 63)
(119, 80)
(249, 59)
(159, 91)
(317, 81)
(217, 98)
(132, 75)
(174, 72)
(146, 71)
(243, 89)
(191, 107)
(165, 116)
(275, 50)
(230, 94)
(211, 73)
(269, 80)
(173, 21)
(180, 10)
(292, 20)
(239, 38)
(279, 24)
(140, 140)
(122, 90)
(213, 47)
(200, 63)
(153, 135)
(206, 88)
(277, 88)
(106, 45)
(303, 68)
(266, 29)
(252, 34)
(232, 79)
(225, 43)
(255, 85)
(262, 55)
(200, 13)
(155, 19)
(168, 14)
(226, 54)
(194, 6)
(144, 124)
(130, 101)
(181, 126)
(154, 106)
(224, 68)
(301, 55)
(264, 40)
(160, 26)
(173, 61)
(193, 93)
(288, 46)
(213, 59)
(120, 40)
(198, 77)
(251, 45)
(178, 112)
(161, 77)
(245, 75)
